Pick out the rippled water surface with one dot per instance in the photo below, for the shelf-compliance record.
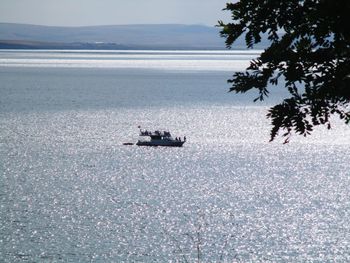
(71, 192)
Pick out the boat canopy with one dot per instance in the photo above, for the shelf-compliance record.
(155, 134)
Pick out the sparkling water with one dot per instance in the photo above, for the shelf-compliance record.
(71, 192)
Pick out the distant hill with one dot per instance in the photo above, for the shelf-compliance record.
(166, 36)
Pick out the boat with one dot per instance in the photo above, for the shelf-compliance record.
(159, 138)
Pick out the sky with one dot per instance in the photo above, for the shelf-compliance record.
(112, 12)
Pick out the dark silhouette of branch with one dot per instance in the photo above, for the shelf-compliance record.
(310, 51)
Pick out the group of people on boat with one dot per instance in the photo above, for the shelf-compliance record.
(179, 139)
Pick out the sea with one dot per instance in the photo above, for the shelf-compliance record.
(70, 191)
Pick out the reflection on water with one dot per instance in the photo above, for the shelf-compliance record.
(174, 60)
(70, 191)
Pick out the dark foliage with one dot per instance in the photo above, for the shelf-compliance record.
(310, 50)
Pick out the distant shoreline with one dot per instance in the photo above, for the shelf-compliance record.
(15, 44)
(117, 37)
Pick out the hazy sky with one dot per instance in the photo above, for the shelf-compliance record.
(112, 12)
